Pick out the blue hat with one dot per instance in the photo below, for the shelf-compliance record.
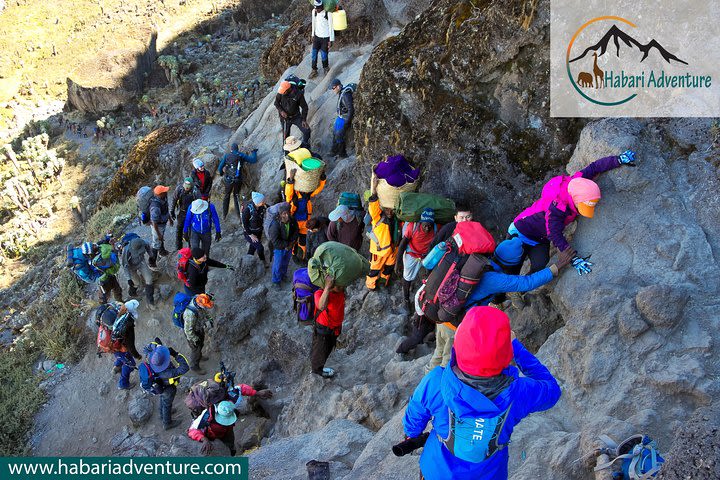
(510, 252)
(257, 198)
(335, 83)
(427, 216)
(160, 358)
(234, 147)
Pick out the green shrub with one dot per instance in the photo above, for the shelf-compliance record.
(114, 218)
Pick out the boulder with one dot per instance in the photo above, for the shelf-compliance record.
(140, 409)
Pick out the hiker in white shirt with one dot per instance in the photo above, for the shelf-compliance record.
(322, 37)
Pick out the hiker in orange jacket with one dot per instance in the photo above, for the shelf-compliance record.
(301, 209)
(385, 237)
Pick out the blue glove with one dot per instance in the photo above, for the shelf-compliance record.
(627, 158)
(582, 265)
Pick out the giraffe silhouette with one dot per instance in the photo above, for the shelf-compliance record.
(598, 73)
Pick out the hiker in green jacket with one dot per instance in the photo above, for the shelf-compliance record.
(107, 263)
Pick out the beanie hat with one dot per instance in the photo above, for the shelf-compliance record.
(335, 83)
(197, 163)
(427, 216)
(509, 252)
(318, 3)
(585, 194)
(160, 359)
(234, 147)
(132, 306)
(159, 189)
(197, 252)
(257, 198)
(188, 181)
(482, 342)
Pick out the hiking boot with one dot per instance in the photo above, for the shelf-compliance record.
(152, 263)
(163, 252)
(516, 300)
(117, 369)
(328, 372)
(325, 70)
(314, 73)
(133, 292)
(343, 154)
(172, 424)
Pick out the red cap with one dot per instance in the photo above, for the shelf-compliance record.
(482, 342)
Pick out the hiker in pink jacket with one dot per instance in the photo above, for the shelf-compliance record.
(562, 199)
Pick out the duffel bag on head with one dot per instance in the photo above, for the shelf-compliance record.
(410, 205)
(339, 261)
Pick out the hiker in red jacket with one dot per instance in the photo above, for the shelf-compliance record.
(415, 244)
(330, 302)
(215, 423)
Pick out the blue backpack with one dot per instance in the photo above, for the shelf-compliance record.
(181, 302)
(81, 266)
(147, 379)
(474, 439)
(129, 237)
(639, 457)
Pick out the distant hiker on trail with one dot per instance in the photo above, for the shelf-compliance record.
(230, 167)
(443, 235)
(219, 388)
(293, 108)
(107, 263)
(215, 423)
(182, 198)
(253, 218)
(159, 218)
(330, 303)
(160, 374)
(120, 318)
(283, 234)
(345, 227)
(199, 222)
(323, 35)
(197, 271)
(301, 209)
(197, 319)
(345, 114)
(317, 234)
(202, 179)
(133, 262)
(414, 245)
(562, 199)
(385, 237)
(477, 400)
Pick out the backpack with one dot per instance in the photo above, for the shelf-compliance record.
(449, 284)
(184, 255)
(143, 197)
(639, 456)
(80, 265)
(106, 259)
(474, 439)
(272, 213)
(350, 86)
(181, 302)
(204, 394)
(121, 325)
(129, 237)
(303, 295)
(147, 379)
(107, 342)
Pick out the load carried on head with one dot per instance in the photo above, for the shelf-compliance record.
(410, 206)
(308, 169)
(339, 261)
(396, 176)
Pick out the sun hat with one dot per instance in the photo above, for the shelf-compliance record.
(198, 206)
(292, 143)
(132, 306)
(160, 358)
(225, 413)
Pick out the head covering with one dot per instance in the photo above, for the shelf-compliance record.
(318, 3)
(234, 147)
(132, 306)
(284, 207)
(482, 342)
(284, 87)
(188, 181)
(335, 83)
(341, 211)
(257, 198)
(292, 143)
(427, 216)
(160, 358)
(88, 248)
(585, 194)
(198, 206)
(160, 189)
(225, 413)
(197, 163)
(218, 377)
(197, 252)
(510, 252)
(204, 301)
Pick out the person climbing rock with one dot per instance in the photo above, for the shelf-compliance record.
(345, 227)
(160, 374)
(159, 218)
(179, 205)
(220, 387)
(283, 234)
(477, 400)
(215, 423)
(322, 36)
(124, 363)
(330, 302)
(415, 244)
(345, 114)
(132, 259)
(199, 222)
(196, 318)
(106, 262)
(301, 209)
(384, 239)
(563, 198)
(202, 179)
(463, 214)
(230, 167)
(253, 218)
(197, 271)
(293, 110)
(317, 233)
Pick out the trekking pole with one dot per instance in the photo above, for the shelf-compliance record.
(410, 445)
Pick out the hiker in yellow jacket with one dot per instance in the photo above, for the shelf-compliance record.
(384, 239)
(301, 208)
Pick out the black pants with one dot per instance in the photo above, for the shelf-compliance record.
(420, 329)
(256, 246)
(297, 120)
(322, 345)
(232, 189)
(229, 441)
(539, 256)
(179, 225)
(166, 400)
(322, 46)
(196, 350)
(107, 286)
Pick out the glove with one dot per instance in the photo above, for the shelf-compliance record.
(627, 158)
(157, 340)
(218, 236)
(173, 352)
(582, 265)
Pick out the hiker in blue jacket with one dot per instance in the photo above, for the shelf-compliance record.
(230, 167)
(199, 222)
(484, 392)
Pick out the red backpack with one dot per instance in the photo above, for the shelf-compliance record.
(184, 256)
(105, 342)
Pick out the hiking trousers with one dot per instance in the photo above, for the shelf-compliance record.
(297, 120)
(320, 45)
(127, 362)
(107, 286)
(166, 400)
(539, 255)
(256, 246)
(142, 275)
(229, 441)
(381, 266)
(420, 329)
(232, 189)
(281, 260)
(444, 338)
(158, 244)
(322, 346)
(196, 350)
(201, 240)
(179, 225)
